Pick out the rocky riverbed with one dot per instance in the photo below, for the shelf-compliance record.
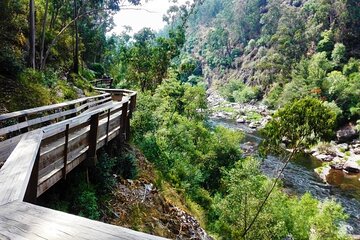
(341, 154)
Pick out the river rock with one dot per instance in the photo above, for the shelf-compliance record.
(343, 146)
(346, 133)
(240, 120)
(352, 167)
(356, 151)
(325, 157)
(340, 154)
(253, 125)
(337, 166)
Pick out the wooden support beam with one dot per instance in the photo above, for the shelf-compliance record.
(23, 119)
(94, 123)
(66, 151)
(124, 118)
(107, 127)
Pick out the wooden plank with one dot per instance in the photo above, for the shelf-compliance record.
(55, 161)
(27, 221)
(60, 127)
(15, 174)
(35, 121)
(52, 151)
(52, 177)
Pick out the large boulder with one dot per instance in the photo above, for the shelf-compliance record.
(240, 120)
(352, 167)
(347, 133)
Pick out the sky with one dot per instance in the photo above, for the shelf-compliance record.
(149, 14)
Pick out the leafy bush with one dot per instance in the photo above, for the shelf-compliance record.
(232, 86)
(104, 172)
(126, 166)
(283, 216)
(246, 94)
(32, 93)
(85, 202)
(98, 69)
(272, 98)
(68, 92)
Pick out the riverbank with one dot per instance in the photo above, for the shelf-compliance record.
(342, 154)
(299, 176)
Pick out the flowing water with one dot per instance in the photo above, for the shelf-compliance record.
(299, 177)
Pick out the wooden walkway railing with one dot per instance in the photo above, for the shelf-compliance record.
(103, 83)
(42, 146)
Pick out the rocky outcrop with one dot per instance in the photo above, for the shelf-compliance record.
(347, 133)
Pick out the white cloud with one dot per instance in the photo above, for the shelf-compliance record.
(149, 14)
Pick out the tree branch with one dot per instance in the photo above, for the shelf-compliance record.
(271, 190)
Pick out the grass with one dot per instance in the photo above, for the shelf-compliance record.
(253, 116)
(224, 109)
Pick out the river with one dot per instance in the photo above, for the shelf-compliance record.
(299, 177)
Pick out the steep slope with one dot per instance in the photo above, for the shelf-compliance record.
(286, 49)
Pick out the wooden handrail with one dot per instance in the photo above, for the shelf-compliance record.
(16, 172)
(108, 82)
(31, 111)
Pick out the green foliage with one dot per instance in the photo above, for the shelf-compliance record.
(302, 123)
(283, 216)
(68, 92)
(330, 213)
(85, 202)
(338, 54)
(104, 172)
(246, 94)
(273, 96)
(170, 129)
(126, 166)
(326, 44)
(98, 69)
(32, 92)
(237, 91)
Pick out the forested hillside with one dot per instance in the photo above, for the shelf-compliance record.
(50, 48)
(280, 50)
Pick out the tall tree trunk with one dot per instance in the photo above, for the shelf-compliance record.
(43, 36)
(32, 33)
(76, 49)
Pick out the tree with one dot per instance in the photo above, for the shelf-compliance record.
(32, 33)
(301, 123)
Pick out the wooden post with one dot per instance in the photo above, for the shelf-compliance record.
(66, 151)
(31, 190)
(111, 83)
(23, 119)
(107, 127)
(124, 118)
(74, 114)
(91, 156)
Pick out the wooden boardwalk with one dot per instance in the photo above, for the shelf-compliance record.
(41, 146)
